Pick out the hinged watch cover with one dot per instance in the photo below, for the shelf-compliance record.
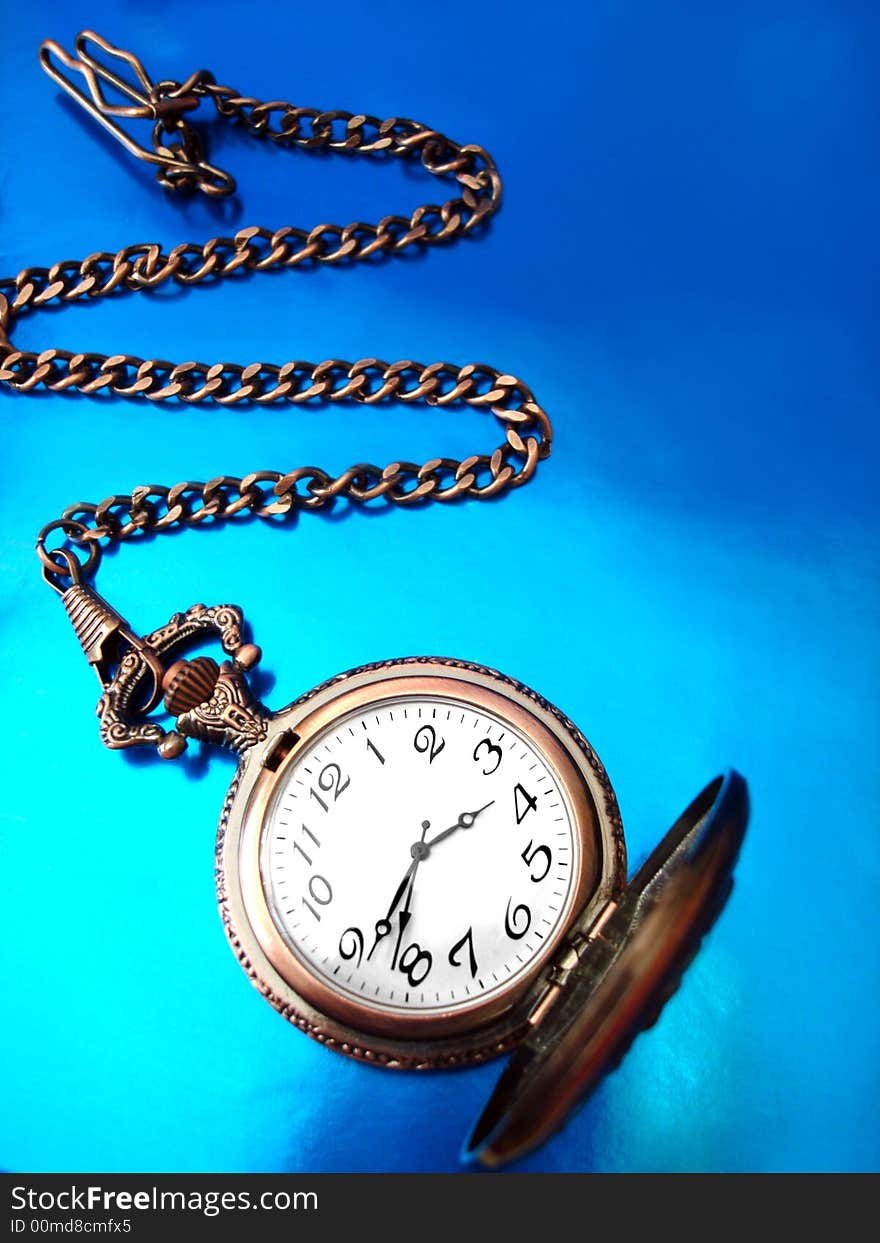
(631, 964)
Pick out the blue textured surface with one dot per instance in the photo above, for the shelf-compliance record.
(684, 271)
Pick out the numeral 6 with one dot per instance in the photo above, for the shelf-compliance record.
(518, 925)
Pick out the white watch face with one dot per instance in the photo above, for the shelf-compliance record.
(420, 855)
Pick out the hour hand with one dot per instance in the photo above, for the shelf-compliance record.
(464, 821)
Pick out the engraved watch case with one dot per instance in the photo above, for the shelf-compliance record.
(421, 1041)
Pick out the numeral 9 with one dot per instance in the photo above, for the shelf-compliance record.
(353, 946)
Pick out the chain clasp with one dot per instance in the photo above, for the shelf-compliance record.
(212, 702)
(180, 163)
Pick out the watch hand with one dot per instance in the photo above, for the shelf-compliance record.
(404, 916)
(383, 926)
(464, 821)
(400, 888)
(420, 850)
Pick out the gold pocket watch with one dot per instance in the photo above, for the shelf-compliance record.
(420, 863)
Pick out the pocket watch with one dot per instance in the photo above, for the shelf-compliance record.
(420, 863)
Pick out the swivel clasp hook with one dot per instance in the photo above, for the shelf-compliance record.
(180, 164)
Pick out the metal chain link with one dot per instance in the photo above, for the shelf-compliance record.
(154, 508)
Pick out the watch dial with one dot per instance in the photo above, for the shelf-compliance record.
(420, 855)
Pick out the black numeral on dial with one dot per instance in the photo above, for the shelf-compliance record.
(296, 846)
(426, 742)
(539, 853)
(523, 802)
(416, 964)
(371, 746)
(351, 945)
(321, 893)
(319, 888)
(330, 779)
(466, 940)
(518, 921)
(489, 754)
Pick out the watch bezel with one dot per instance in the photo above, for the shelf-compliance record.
(465, 1034)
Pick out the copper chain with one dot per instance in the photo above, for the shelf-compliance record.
(153, 508)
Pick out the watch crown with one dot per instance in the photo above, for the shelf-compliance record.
(189, 683)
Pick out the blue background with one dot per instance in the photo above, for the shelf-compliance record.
(684, 270)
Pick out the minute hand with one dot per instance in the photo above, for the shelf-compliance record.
(383, 926)
(464, 821)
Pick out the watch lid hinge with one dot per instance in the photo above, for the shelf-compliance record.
(570, 955)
